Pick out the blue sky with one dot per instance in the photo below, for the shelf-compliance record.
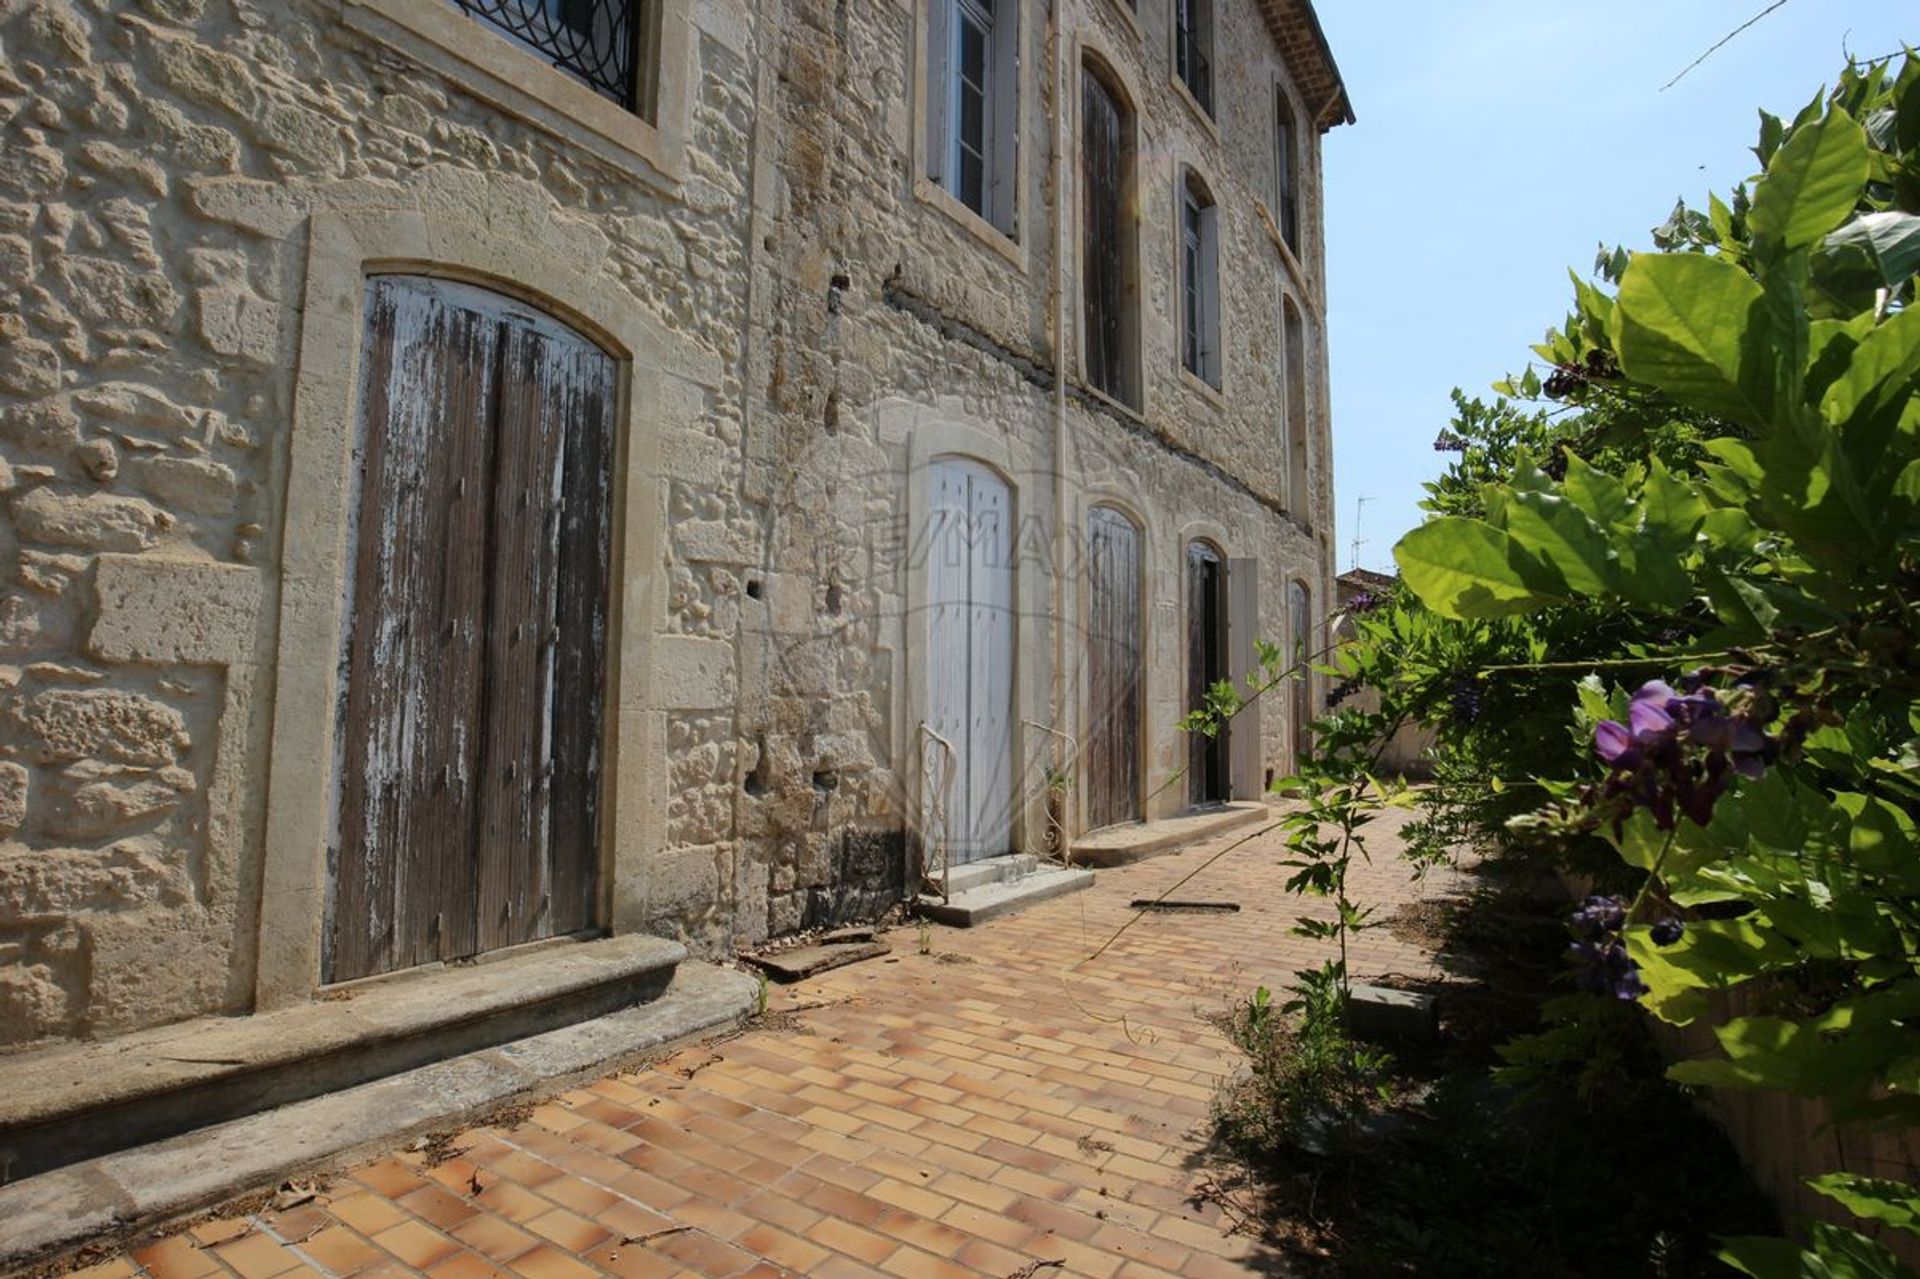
(1500, 141)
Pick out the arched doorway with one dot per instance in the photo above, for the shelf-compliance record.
(1115, 669)
(1208, 780)
(970, 653)
(468, 750)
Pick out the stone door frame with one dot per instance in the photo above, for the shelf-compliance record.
(343, 249)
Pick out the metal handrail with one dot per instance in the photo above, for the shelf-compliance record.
(937, 812)
(1072, 759)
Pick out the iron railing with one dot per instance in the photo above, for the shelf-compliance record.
(934, 859)
(595, 41)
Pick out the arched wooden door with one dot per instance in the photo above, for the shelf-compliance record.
(469, 725)
(970, 638)
(1115, 670)
(1207, 757)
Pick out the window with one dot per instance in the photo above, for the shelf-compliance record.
(1199, 282)
(970, 104)
(1107, 276)
(1294, 402)
(604, 44)
(1286, 186)
(1193, 49)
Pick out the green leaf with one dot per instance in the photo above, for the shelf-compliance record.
(1881, 370)
(1463, 568)
(1601, 497)
(1689, 325)
(1812, 183)
(1890, 240)
(1554, 528)
(1894, 1202)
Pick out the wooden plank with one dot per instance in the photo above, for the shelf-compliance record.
(1112, 750)
(405, 759)
(1300, 618)
(510, 819)
(585, 400)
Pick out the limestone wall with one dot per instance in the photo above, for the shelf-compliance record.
(191, 193)
(159, 165)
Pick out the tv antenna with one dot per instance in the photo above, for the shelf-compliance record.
(1359, 509)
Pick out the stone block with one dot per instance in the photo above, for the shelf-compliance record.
(1399, 1016)
(92, 521)
(692, 673)
(164, 610)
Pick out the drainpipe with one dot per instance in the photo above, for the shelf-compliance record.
(1061, 547)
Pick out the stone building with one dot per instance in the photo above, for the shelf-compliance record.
(477, 471)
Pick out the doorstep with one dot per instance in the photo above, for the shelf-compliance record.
(119, 1194)
(72, 1102)
(996, 886)
(1134, 841)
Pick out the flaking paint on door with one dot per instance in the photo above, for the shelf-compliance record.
(469, 730)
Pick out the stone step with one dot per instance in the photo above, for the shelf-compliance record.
(990, 900)
(1119, 845)
(116, 1195)
(991, 870)
(76, 1101)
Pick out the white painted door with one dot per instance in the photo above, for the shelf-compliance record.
(970, 652)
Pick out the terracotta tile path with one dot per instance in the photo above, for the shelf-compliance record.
(971, 1111)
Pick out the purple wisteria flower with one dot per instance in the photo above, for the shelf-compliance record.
(1677, 749)
(1598, 951)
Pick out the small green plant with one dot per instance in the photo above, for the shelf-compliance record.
(1308, 1085)
(761, 993)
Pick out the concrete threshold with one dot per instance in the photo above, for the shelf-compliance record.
(119, 1194)
(75, 1101)
(985, 899)
(1119, 845)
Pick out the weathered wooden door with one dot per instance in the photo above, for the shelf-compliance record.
(1207, 757)
(469, 729)
(1114, 669)
(1300, 717)
(970, 635)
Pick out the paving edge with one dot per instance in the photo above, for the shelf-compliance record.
(133, 1190)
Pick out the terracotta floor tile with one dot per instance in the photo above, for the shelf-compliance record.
(175, 1258)
(417, 1244)
(340, 1251)
(256, 1256)
(569, 1230)
(494, 1238)
(550, 1262)
(627, 1261)
(467, 1265)
(367, 1212)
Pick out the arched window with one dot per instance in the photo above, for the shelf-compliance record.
(1109, 290)
(1199, 281)
(1294, 379)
